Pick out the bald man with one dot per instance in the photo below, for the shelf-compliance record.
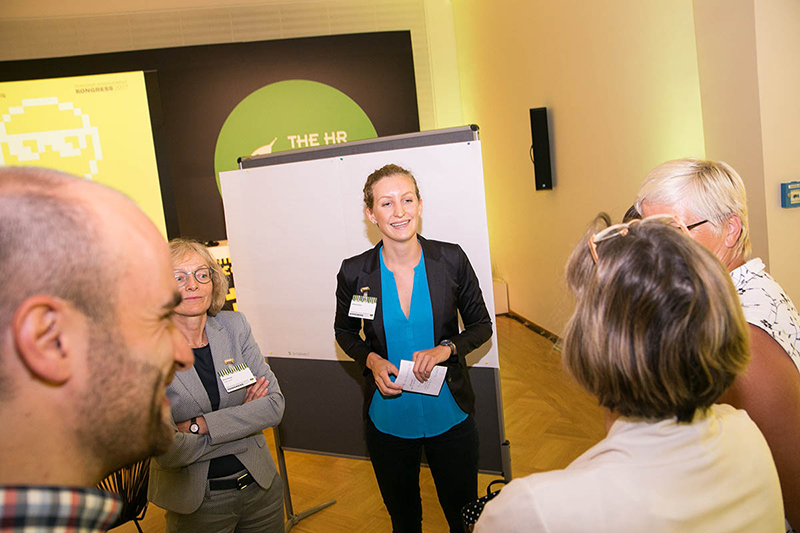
(87, 347)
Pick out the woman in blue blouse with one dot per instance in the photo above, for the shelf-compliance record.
(420, 286)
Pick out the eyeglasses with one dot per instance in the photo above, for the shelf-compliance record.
(620, 230)
(201, 275)
(692, 226)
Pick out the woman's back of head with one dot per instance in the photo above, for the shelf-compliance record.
(658, 331)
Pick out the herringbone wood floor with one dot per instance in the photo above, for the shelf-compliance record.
(549, 422)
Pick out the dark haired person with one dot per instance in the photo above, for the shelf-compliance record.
(657, 336)
(421, 286)
(711, 198)
(87, 347)
(631, 214)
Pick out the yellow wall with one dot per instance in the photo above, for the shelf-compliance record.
(750, 85)
(53, 28)
(620, 81)
(59, 8)
(777, 24)
(627, 83)
(443, 63)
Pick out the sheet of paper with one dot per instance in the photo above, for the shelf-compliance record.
(410, 383)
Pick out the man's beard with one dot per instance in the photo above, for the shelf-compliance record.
(123, 408)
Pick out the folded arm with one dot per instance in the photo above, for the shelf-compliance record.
(189, 448)
(223, 430)
(236, 422)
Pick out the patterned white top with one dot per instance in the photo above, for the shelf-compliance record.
(766, 306)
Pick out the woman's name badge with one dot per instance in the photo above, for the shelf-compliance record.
(236, 376)
(363, 307)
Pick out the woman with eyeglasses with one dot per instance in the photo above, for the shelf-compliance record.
(419, 287)
(711, 198)
(657, 336)
(219, 475)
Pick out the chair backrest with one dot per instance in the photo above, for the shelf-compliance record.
(130, 484)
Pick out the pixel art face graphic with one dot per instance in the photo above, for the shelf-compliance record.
(96, 127)
(46, 132)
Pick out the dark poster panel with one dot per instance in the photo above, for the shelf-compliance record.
(193, 89)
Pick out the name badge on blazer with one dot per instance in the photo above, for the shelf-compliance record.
(236, 376)
(363, 307)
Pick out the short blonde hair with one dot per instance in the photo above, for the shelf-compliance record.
(712, 190)
(658, 331)
(180, 248)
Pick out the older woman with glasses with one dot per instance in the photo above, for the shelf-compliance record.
(710, 196)
(219, 475)
(657, 336)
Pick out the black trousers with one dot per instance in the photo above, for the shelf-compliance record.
(453, 459)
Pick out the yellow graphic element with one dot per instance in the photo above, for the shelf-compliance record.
(97, 127)
(264, 150)
(231, 294)
(73, 139)
(225, 264)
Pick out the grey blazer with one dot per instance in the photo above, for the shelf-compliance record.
(178, 478)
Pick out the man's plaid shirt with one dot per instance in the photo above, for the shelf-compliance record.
(29, 509)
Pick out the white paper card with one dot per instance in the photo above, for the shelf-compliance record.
(236, 376)
(363, 307)
(410, 384)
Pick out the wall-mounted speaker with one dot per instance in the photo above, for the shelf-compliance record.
(540, 149)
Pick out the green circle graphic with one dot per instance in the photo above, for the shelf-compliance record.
(289, 115)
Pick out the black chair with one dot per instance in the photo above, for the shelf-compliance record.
(130, 484)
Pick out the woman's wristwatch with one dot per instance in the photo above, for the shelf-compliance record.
(450, 344)
(193, 427)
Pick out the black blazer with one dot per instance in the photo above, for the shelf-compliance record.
(453, 287)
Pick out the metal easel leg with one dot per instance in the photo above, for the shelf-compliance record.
(291, 518)
(505, 457)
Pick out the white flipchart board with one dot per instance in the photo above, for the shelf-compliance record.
(291, 225)
(292, 218)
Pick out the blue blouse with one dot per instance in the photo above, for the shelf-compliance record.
(411, 415)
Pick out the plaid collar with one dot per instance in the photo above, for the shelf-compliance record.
(25, 509)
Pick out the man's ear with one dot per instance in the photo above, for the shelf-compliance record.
(41, 335)
(732, 228)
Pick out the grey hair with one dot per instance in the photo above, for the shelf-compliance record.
(711, 190)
